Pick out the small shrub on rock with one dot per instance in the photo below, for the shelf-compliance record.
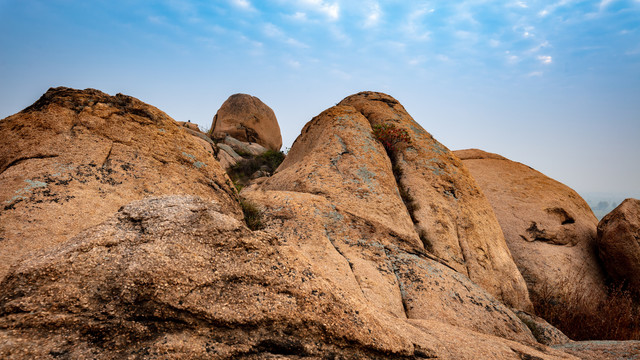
(242, 172)
(252, 215)
(390, 137)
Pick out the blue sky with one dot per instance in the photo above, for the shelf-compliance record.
(552, 84)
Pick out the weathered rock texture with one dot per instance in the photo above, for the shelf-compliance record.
(336, 195)
(619, 244)
(181, 276)
(173, 277)
(549, 228)
(452, 217)
(246, 118)
(74, 157)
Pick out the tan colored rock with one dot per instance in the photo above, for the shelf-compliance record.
(248, 119)
(549, 228)
(242, 147)
(74, 157)
(544, 332)
(189, 125)
(452, 216)
(174, 277)
(602, 350)
(619, 243)
(338, 194)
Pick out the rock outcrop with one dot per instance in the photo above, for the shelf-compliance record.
(74, 157)
(450, 214)
(550, 229)
(338, 271)
(174, 277)
(619, 244)
(247, 118)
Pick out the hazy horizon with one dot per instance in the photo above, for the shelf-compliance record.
(552, 85)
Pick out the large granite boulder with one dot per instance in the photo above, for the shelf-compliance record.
(336, 196)
(550, 229)
(174, 277)
(74, 157)
(449, 213)
(619, 244)
(247, 118)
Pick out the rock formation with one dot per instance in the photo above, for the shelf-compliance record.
(619, 244)
(173, 277)
(339, 270)
(246, 118)
(74, 157)
(451, 215)
(549, 228)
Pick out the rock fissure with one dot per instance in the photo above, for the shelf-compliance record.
(403, 294)
(26, 158)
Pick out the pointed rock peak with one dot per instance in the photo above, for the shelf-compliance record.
(247, 118)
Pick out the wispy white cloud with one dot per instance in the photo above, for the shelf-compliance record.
(511, 58)
(535, 74)
(553, 7)
(374, 15)
(274, 32)
(414, 28)
(243, 4)
(330, 9)
(298, 16)
(605, 3)
(545, 59)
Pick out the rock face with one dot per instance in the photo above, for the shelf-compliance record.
(74, 157)
(335, 194)
(619, 243)
(451, 216)
(182, 277)
(173, 277)
(549, 228)
(246, 118)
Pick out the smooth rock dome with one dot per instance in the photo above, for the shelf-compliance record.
(247, 118)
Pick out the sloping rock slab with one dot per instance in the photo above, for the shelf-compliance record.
(452, 215)
(602, 350)
(74, 157)
(173, 277)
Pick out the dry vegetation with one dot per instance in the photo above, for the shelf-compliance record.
(580, 317)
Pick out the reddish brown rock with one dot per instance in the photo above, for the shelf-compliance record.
(246, 118)
(74, 157)
(451, 216)
(619, 244)
(549, 228)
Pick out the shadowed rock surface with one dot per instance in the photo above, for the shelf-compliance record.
(247, 118)
(549, 228)
(619, 244)
(74, 157)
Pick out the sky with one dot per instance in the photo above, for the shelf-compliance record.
(552, 84)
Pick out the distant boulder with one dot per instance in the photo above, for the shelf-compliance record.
(247, 118)
(550, 229)
(75, 156)
(619, 243)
